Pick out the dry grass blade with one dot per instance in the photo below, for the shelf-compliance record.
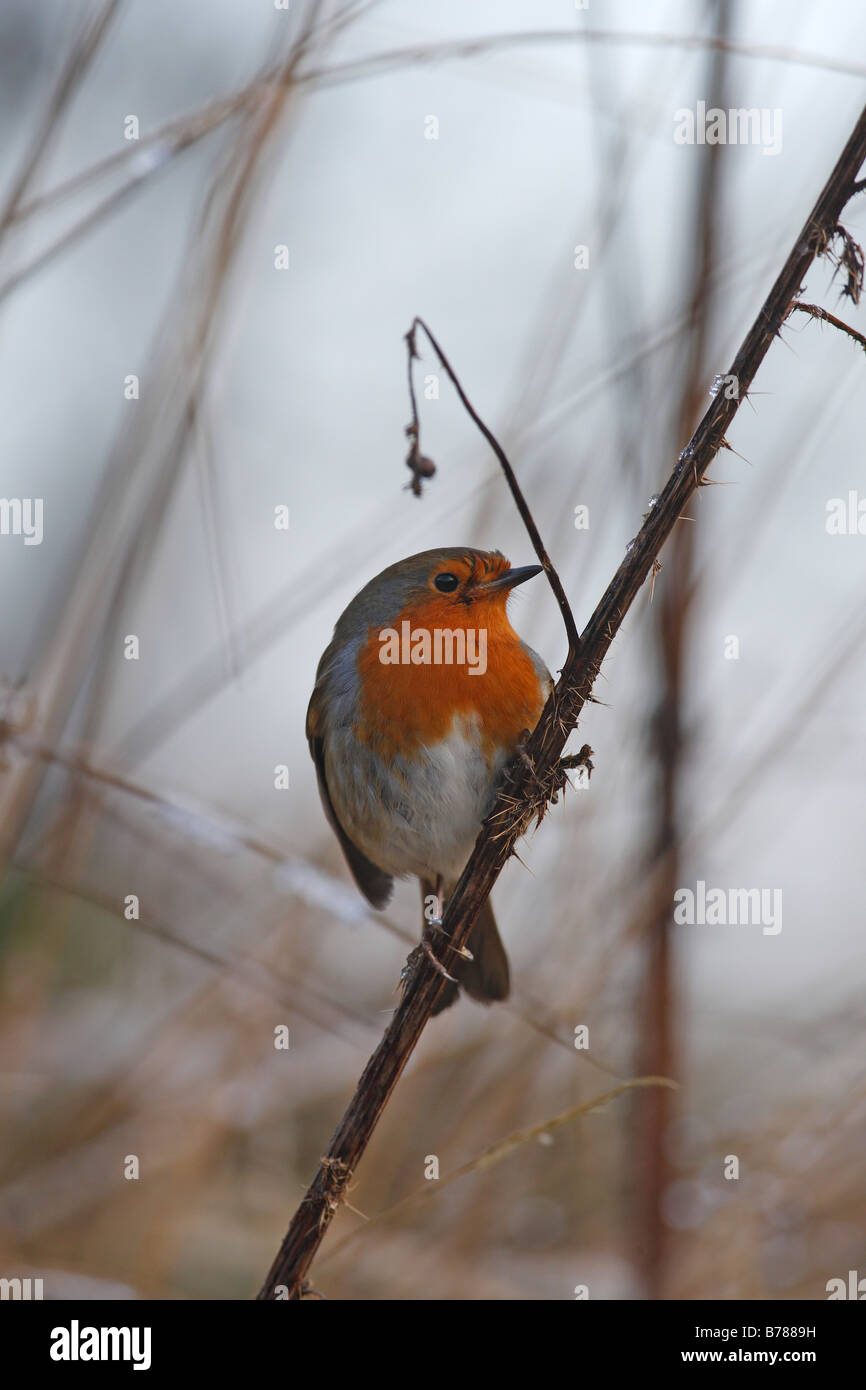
(80, 57)
(503, 1149)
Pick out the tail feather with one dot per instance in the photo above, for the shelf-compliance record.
(486, 978)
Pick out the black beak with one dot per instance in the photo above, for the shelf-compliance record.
(511, 578)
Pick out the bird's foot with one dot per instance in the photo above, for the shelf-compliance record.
(414, 959)
(434, 926)
(434, 908)
(434, 960)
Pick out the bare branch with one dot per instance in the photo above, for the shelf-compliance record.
(529, 779)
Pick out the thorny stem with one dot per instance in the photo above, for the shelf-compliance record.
(523, 787)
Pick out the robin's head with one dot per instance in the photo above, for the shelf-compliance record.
(455, 584)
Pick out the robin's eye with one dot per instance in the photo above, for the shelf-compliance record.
(446, 583)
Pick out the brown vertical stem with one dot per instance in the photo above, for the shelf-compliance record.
(658, 1045)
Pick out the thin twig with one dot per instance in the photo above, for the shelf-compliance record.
(816, 312)
(80, 57)
(520, 501)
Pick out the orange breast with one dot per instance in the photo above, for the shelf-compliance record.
(407, 704)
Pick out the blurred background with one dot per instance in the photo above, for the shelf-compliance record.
(217, 221)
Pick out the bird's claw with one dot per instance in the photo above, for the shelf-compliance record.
(435, 924)
(413, 960)
(435, 961)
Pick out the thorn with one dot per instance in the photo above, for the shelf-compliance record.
(731, 450)
(656, 569)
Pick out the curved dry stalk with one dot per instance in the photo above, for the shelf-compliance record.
(495, 1153)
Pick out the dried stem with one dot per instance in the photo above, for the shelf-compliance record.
(414, 433)
(816, 312)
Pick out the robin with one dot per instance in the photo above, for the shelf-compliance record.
(420, 699)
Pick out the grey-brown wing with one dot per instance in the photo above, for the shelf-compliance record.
(544, 676)
(374, 883)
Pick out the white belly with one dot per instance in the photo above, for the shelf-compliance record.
(422, 817)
